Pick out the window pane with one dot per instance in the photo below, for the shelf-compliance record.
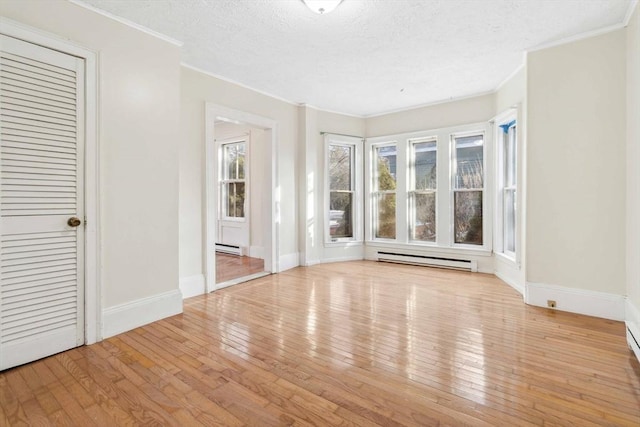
(386, 218)
(469, 166)
(468, 217)
(510, 220)
(340, 216)
(425, 172)
(234, 157)
(386, 167)
(340, 167)
(234, 199)
(510, 158)
(424, 217)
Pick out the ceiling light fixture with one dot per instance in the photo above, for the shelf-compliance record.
(322, 7)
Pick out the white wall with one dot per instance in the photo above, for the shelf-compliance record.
(576, 168)
(138, 104)
(633, 173)
(197, 89)
(457, 112)
(312, 123)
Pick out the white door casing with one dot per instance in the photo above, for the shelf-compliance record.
(42, 128)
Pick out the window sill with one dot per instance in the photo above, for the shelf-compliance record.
(343, 243)
(507, 259)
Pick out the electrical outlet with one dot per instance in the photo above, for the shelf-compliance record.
(551, 303)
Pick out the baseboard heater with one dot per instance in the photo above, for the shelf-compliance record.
(229, 249)
(428, 261)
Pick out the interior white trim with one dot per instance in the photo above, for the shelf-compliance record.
(430, 104)
(271, 217)
(93, 288)
(510, 279)
(242, 279)
(632, 8)
(590, 303)
(192, 286)
(512, 75)
(125, 317)
(233, 82)
(256, 252)
(578, 37)
(633, 327)
(128, 23)
(289, 261)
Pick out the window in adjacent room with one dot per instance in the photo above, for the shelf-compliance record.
(233, 182)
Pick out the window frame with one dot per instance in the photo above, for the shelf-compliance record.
(501, 186)
(453, 164)
(223, 180)
(412, 191)
(374, 194)
(356, 185)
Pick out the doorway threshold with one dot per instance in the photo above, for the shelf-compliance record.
(242, 279)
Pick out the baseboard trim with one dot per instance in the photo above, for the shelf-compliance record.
(256, 252)
(192, 286)
(509, 281)
(125, 317)
(289, 261)
(591, 303)
(632, 324)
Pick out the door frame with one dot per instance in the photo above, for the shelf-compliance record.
(92, 283)
(271, 217)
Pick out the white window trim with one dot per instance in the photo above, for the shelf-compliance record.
(357, 169)
(504, 118)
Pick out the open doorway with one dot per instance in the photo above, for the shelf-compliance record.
(239, 239)
(240, 180)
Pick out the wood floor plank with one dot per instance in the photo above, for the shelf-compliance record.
(350, 344)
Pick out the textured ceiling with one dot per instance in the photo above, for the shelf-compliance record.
(368, 56)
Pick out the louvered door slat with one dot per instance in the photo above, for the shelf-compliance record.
(40, 145)
(24, 106)
(41, 257)
(23, 98)
(10, 152)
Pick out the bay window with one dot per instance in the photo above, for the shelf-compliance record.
(428, 189)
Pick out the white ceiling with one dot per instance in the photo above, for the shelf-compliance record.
(368, 56)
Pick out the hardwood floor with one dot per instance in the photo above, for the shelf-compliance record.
(230, 267)
(358, 343)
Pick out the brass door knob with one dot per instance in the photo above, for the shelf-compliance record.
(74, 222)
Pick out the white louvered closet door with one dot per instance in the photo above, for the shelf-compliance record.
(41, 177)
